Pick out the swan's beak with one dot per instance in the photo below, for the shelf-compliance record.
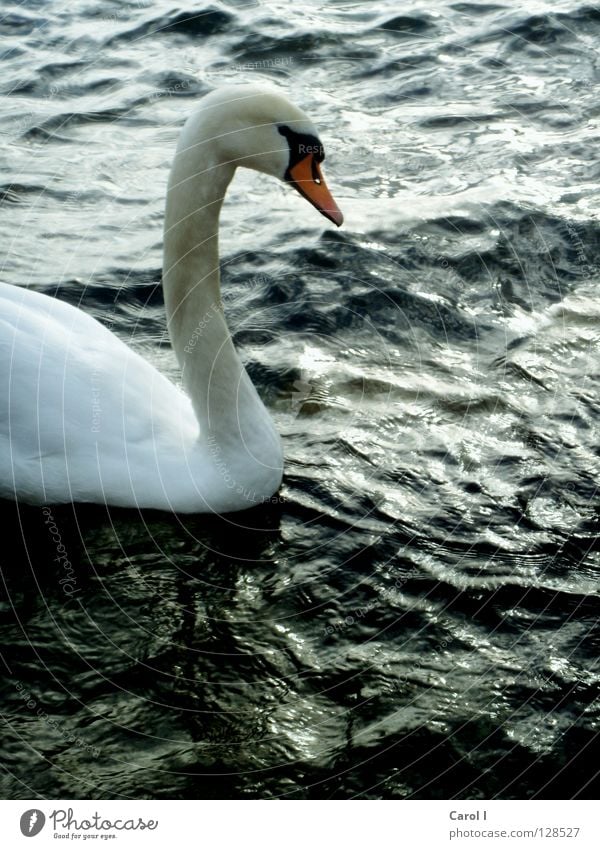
(305, 176)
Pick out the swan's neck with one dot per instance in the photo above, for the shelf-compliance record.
(230, 414)
(199, 334)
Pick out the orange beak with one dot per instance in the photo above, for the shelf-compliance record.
(307, 179)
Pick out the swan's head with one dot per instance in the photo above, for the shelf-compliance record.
(262, 130)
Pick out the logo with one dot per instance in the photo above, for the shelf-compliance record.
(32, 822)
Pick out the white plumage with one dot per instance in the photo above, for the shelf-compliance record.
(85, 418)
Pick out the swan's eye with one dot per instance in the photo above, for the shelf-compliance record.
(302, 145)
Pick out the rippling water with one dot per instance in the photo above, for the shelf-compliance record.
(418, 615)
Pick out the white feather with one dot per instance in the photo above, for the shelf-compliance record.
(85, 418)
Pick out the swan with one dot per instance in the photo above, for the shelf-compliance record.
(84, 418)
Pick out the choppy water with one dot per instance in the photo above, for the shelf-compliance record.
(419, 616)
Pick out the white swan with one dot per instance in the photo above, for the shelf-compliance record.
(84, 418)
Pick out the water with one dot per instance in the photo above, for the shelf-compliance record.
(417, 616)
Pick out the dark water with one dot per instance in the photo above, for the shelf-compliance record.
(418, 616)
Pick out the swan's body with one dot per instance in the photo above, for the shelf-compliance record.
(85, 418)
